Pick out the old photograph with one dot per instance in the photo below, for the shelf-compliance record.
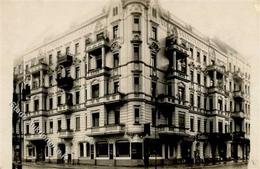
(130, 84)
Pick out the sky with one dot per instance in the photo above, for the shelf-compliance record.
(25, 23)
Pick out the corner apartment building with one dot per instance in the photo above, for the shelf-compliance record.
(133, 83)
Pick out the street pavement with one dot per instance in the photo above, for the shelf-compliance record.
(230, 165)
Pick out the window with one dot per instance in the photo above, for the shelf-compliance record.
(220, 127)
(76, 48)
(102, 149)
(27, 129)
(198, 78)
(169, 89)
(116, 87)
(58, 53)
(220, 105)
(115, 11)
(117, 117)
(50, 59)
(136, 24)
(37, 129)
(198, 56)
(100, 36)
(77, 72)
(211, 126)
(154, 33)
(153, 89)
(95, 91)
(198, 125)
(154, 12)
(198, 102)
(50, 103)
(191, 100)
(115, 32)
(205, 125)
(59, 100)
(191, 52)
(137, 115)
(67, 50)
(182, 121)
(59, 125)
(210, 104)
(121, 150)
(51, 127)
(98, 62)
(52, 149)
(205, 102)
(181, 94)
(36, 105)
(136, 84)
(192, 124)
(191, 76)
(95, 119)
(50, 80)
(27, 108)
(47, 151)
(153, 60)
(77, 123)
(205, 80)
(205, 59)
(77, 97)
(231, 127)
(136, 53)
(81, 149)
(116, 60)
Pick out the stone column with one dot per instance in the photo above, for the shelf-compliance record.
(214, 78)
(178, 153)
(41, 78)
(84, 150)
(67, 150)
(174, 60)
(201, 150)
(228, 149)
(103, 57)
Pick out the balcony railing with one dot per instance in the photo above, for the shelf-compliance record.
(239, 94)
(215, 67)
(37, 113)
(113, 98)
(177, 74)
(98, 72)
(238, 114)
(64, 108)
(237, 75)
(66, 134)
(65, 83)
(238, 135)
(39, 89)
(171, 100)
(39, 66)
(172, 44)
(106, 130)
(65, 60)
(101, 42)
(33, 137)
(216, 89)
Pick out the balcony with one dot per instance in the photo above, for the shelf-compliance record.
(177, 132)
(237, 75)
(39, 66)
(37, 113)
(173, 45)
(39, 89)
(65, 60)
(33, 137)
(64, 109)
(135, 129)
(171, 74)
(215, 67)
(170, 101)
(110, 129)
(98, 72)
(65, 83)
(238, 135)
(217, 136)
(66, 134)
(238, 115)
(101, 42)
(239, 95)
(216, 89)
(114, 99)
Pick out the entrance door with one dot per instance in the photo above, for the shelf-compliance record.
(62, 149)
(186, 151)
(92, 151)
(40, 151)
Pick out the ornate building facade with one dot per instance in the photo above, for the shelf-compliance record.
(134, 83)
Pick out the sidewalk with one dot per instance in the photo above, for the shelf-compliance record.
(179, 166)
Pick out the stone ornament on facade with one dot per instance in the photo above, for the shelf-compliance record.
(115, 47)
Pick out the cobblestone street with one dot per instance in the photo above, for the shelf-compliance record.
(231, 165)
